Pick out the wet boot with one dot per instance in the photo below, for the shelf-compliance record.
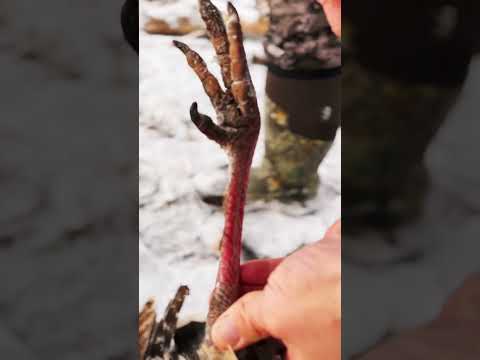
(289, 169)
(303, 102)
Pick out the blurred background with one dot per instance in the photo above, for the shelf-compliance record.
(410, 210)
(68, 181)
(179, 232)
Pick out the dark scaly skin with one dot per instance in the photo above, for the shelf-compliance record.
(218, 36)
(236, 132)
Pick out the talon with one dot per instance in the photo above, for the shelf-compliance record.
(209, 82)
(183, 47)
(232, 11)
(206, 125)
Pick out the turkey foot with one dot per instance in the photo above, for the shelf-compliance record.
(236, 131)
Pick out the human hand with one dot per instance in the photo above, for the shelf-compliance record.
(333, 11)
(296, 299)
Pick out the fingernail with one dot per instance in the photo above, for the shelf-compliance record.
(225, 332)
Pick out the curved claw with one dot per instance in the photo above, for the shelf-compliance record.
(209, 82)
(206, 125)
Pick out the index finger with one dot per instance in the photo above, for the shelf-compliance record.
(256, 272)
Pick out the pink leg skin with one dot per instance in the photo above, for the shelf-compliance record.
(227, 287)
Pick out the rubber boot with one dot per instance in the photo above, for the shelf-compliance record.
(302, 111)
(298, 135)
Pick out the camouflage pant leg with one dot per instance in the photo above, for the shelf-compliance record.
(289, 168)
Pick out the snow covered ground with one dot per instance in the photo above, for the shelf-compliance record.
(179, 233)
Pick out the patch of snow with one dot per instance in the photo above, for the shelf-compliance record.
(50, 205)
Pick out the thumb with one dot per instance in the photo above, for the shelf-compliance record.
(242, 324)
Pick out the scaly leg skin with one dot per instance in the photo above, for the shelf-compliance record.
(236, 132)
